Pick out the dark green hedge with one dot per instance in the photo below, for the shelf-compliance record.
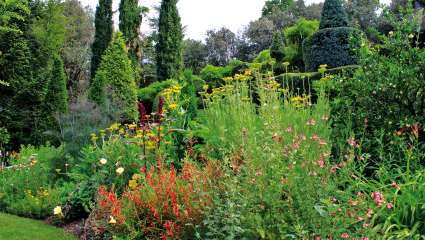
(330, 46)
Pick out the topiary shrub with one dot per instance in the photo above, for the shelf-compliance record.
(148, 94)
(332, 44)
(277, 51)
(114, 81)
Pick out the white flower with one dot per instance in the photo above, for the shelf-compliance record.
(112, 220)
(119, 170)
(57, 210)
(411, 36)
(103, 161)
(391, 33)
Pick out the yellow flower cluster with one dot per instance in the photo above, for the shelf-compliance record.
(134, 182)
(299, 100)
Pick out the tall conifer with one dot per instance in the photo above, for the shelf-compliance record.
(103, 35)
(170, 37)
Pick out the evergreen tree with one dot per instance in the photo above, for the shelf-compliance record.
(131, 15)
(114, 82)
(277, 51)
(57, 94)
(333, 15)
(169, 46)
(103, 35)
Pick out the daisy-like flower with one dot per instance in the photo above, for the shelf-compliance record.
(57, 210)
(112, 220)
(119, 170)
(103, 161)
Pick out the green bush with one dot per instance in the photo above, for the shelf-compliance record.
(331, 46)
(114, 81)
(214, 75)
(386, 92)
(295, 36)
(149, 93)
(28, 188)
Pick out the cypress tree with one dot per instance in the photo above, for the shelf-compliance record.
(277, 51)
(170, 37)
(114, 81)
(57, 94)
(131, 16)
(103, 35)
(333, 15)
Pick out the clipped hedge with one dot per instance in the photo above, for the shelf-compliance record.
(302, 83)
(148, 94)
(331, 46)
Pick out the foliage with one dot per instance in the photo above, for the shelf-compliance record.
(295, 35)
(170, 42)
(385, 91)
(148, 94)
(331, 46)
(277, 51)
(194, 55)
(221, 46)
(115, 82)
(76, 52)
(131, 16)
(57, 94)
(159, 203)
(273, 5)
(333, 15)
(103, 33)
(27, 187)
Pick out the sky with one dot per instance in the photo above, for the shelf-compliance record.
(198, 16)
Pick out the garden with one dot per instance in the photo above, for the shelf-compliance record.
(308, 125)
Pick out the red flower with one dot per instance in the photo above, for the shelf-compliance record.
(345, 235)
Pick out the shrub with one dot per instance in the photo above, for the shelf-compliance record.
(158, 204)
(331, 45)
(27, 187)
(385, 94)
(295, 36)
(148, 94)
(114, 81)
(213, 75)
(277, 51)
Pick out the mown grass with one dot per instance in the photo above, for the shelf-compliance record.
(16, 228)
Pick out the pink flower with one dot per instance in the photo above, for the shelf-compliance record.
(315, 137)
(312, 173)
(352, 143)
(345, 235)
(360, 194)
(321, 163)
(289, 130)
(364, 238)
(365, 225)
(390, 205)
(379, 199)
(395, 185)
(258, 173)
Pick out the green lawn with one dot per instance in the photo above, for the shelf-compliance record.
(16, 228)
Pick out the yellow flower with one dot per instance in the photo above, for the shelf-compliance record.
(286, 64)
(119, 170)
(228, 79)
(132, 126)
(132, 184)
(114, 126)
(205, 87)
(248, 72)
(297, 99)
(172, 106)
(112, 220)
(103, 161)
(57, 210)
(323, 66)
